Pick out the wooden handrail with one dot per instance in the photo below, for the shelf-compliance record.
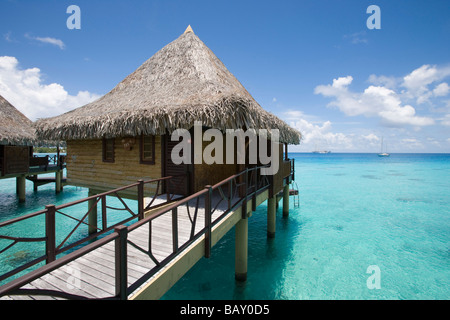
(259, 184)
(52, 249)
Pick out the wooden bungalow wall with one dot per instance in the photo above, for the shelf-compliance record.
(85, 167)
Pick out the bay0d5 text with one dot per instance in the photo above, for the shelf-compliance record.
(228, 309)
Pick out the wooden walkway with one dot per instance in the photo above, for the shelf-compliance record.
(93, 275)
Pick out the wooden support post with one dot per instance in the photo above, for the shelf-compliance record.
(286, 158)
(286, 201)
(21, 187)
(35, 184)
(208, 197)
(92, 217)
(58, 175)
(241, 250)
(140, 195)
(50, 233)
(175, 229)
(271, 216)
(121, 262)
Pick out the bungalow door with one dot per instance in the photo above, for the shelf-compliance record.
(178, 185)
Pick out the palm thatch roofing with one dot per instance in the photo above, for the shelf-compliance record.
(182, 83)
(15, 128)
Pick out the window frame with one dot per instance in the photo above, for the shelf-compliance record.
(104, 151)
(141, 151)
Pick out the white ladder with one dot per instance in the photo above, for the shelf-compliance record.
(295, 193)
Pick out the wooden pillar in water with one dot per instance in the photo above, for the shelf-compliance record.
(58, 175)
(20, 187)
(241, 250)
(286, 201)
(92, 217)
(271, 216)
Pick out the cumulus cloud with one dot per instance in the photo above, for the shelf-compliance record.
(441, 90)
(24, 88)
(375, 101)
(371, 137)
(418, 83)
(320, 134)
(317, 133)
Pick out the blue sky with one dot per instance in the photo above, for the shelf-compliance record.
(315, 64)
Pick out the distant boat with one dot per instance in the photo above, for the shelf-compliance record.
(320, 151)
(383, 154)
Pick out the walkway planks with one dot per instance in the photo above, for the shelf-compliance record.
(93, 275)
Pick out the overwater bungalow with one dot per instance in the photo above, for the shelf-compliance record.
(16, 140)
(126, 134)
(17, 136)
(122, 144)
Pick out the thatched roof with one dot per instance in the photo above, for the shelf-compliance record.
(182, 83)
(15, 128)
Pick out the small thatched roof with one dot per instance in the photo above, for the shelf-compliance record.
(182, 83)
(15, 128)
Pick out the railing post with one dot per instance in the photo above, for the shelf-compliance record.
(92, 216)
(208, 196)
(141, 199)
(292, 169)
(230, 193)
(104, 216)
(50, 243)
(244, 203)
(121, 262)
(175, 229)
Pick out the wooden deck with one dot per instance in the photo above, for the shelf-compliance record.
(93, 275)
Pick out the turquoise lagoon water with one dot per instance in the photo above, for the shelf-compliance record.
(357, 210)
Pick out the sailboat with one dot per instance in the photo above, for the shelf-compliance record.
(320, 151)
(383, 154)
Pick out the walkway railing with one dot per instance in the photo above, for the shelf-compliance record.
(49, 214)
(228, 195)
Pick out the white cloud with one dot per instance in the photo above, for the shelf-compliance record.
(53, 41)
(8, 37)
(374, 101)
(25, 89)
(316, 134)
(412, 143)
(418, 81)
(441, 90)
(384, 81)
(371, 137)
(320, 136)
(357, 37)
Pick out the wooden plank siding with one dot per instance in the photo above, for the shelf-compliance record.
(85, 167)
(211, 174)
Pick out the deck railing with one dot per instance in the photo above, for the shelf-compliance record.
(220, 199)
(49, 214)
(45, 161)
